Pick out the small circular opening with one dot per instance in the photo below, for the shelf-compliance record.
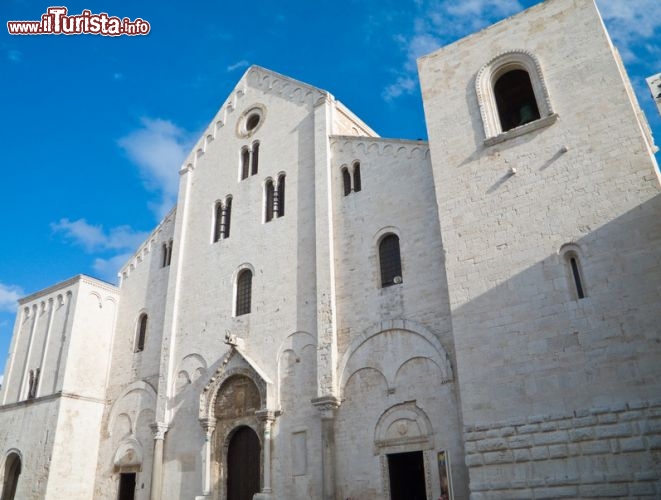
(252, 122)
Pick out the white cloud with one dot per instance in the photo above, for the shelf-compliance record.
(158, 148)
(9, 295)
(437, 23)
(633, 23)
(107, 269)
(95, 238)
(239, 65)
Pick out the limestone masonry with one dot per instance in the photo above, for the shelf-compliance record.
(328, 314)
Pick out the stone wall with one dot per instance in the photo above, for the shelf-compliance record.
(611, 451)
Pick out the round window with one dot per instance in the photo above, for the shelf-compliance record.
(250, 120)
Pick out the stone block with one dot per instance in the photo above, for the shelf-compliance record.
(632, 444)
(551, 437)
(498, 457)
(595, 447)
(603, 490)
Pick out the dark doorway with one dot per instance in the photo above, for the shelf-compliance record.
(126, 486)
(12, 471)
(243, 465)
(407, 476)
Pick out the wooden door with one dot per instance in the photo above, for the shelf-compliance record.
(243, 459)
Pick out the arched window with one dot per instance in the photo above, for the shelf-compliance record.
(390, 261)
(245, 162)
(141, 334)
(227, 217)
(356, 177)
(268, 201)
(10, 481)
(515, 99)
(280, 196)
(570, 254)
(346, 181)
(218, 221)
(255, 158)
(164, 262)
(243, 292)
(513, 96)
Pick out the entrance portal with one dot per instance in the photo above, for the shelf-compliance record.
(407, 476)
(243, 465)
(126, 486)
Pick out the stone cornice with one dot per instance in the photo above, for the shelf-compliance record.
(365, 146)
(108, 287)
(51, 397)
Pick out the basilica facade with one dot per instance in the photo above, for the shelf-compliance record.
(329, 314)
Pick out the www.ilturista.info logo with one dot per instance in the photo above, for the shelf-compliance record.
(57, 22)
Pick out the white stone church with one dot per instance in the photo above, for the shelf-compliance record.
(328, 314)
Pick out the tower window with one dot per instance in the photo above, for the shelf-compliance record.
(245, 162)
(356, 177)
(255, 158)
(515, 99)
(346, 181)
(141, 333)
(280, 196)
(218, 217)
(390, 261)
(167, 253)
(227, 218)
(243, 292)
(570, 254)
(268, 201)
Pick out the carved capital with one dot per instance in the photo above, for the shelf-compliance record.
(208, 424)
(326, 405)
(158, 430)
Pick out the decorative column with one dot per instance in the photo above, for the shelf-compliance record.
(267, 418)
(327, 406)
(208, 424)
(158, 430)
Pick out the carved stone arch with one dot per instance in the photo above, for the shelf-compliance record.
(128, 456)
(143, 392)
(402, 426)
(496, 67)
(235, 363)
(436, 353)
(193, 365)
(294, 342)
(10, 471)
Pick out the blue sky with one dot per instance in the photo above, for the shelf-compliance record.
(95, 128)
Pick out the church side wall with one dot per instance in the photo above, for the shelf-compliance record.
(395, 342)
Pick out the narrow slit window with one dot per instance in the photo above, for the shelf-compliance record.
(356, 177)
(142, 333)
(165, 255)
(390, 261)
(227, 217)
(576, 275)
(280, 208)
(245, 162)
(346, 181)
(168, 253)
(218, 222)
(243, 292)
(268, 201)
(255, 158)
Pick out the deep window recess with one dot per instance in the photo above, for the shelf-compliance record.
(356, 177)
(575, 270)
(252, 122)
(268, 201)
(167, 253)
(389, 260)
(255, 158)
(218, 215)
(227, 218)
(245, 162)
(346, 181)
(10, 481)
(515, 99)
(280, 197)
(141, 333)
(126, 486)
(243, 292)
